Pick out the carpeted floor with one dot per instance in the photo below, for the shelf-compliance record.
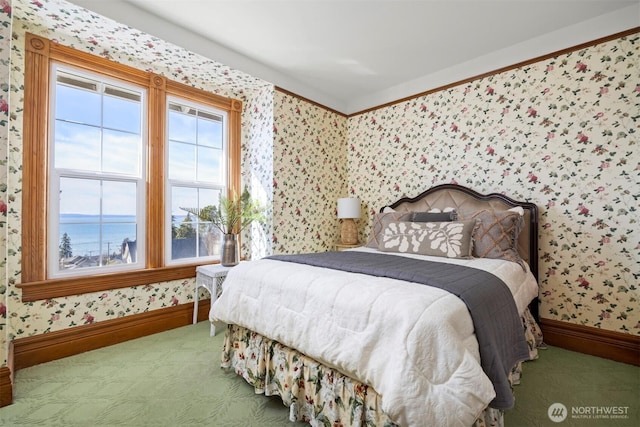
(174, 379)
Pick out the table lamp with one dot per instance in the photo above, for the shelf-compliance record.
(348, 210)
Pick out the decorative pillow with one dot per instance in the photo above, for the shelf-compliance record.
(450, 239)
(497, 234)
(518, 209)
(447, 209)
(380, 222)
(434, 216)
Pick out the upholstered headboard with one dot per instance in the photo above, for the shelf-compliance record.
(465, 200)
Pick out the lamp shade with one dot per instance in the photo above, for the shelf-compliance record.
(349, 207)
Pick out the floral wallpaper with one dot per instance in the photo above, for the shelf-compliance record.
(76, 27)
(5, 49)
(562, 133)
(257, 169)
(310, 174)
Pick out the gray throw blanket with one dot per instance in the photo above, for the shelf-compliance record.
(497, 323)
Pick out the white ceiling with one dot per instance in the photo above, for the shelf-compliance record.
(351, 55)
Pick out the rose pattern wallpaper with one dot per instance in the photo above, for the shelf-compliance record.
(310, 174)
(73, 26)
(5, 51)
(257, 167)
(561, 132)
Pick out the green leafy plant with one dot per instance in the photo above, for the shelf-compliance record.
(232, 215)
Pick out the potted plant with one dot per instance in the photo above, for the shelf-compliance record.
(230, 217)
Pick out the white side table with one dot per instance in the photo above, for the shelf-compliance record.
(208, 276)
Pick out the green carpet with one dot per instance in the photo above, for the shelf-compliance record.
(174, 379)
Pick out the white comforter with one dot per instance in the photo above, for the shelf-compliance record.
(414, 344)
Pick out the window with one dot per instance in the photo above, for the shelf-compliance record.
(97, 171)
(111, 154)
(196, 177)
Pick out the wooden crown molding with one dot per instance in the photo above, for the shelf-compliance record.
(470, 79)
(295, 95)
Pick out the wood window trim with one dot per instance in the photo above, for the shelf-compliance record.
(40, 52)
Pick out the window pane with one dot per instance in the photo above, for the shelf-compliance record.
(96, 244)
(98, 223)
(183, 197)
(182, 161)
(210, 131)
(182, 127)
(191, 237)
(77, 146)
(79, 197)
(184, 226)
(83, 107)
(119, 201)
(77, 104)
(122, 114)
(210, 238)
(121, 152)
(208, 197)
(191, 197)
(196, 141)
(79, 240)
(118, 240)
(209, 169)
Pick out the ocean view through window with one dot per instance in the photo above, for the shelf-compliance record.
(96, 155)
(86, 239)
(98, 139)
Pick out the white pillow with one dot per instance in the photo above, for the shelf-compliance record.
(447, 209)
(517, 209)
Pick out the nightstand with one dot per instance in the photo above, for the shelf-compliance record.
(208, 276)
(342, 247)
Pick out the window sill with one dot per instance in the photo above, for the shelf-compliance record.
(54, 288)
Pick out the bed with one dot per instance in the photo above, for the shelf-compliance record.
(428, 323)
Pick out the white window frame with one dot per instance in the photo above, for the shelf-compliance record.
(170, 183)
(56, 174)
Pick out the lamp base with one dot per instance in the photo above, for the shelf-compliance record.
(349, 232)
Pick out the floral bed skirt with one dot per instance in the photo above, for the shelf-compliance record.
(320, 395)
